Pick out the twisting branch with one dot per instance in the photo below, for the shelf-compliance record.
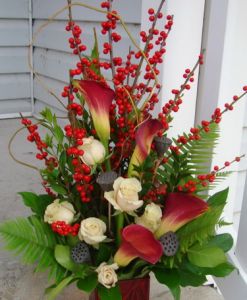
(57, 13)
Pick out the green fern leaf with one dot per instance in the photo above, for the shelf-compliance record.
(34, 241)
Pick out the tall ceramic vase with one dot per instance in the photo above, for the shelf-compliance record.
(132, 289)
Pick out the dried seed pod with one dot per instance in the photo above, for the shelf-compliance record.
(161, 145)
(106, 180)
(169, 243)
(80, 253)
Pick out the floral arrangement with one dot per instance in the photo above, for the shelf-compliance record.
(123, 198)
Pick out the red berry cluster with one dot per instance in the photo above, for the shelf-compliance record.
(75, 41)
(64, 229)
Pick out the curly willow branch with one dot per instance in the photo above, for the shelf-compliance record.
(57, 13)
(11, 153)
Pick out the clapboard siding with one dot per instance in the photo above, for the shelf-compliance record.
(55, 37)
(41, 94)
(14, 86)
(42, 9)
(15, 78)
(14, 106)
(52, 55)
(14, 33)
(53, 64)
(14, 60)
(14, 9)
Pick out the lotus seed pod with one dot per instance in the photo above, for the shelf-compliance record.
(169, 243)
(106, 180)
(80, 253)
(161, 145)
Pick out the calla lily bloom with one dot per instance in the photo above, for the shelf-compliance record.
(144, 138)
(180, 208)
(98, 99)
(137, 241)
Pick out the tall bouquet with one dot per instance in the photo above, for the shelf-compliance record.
(123, 198)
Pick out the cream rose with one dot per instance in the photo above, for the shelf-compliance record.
(107, 275)
(59, 211)
(94, 151)
(125, 195)
(151, 218)
(92, 231)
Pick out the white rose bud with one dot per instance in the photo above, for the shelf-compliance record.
(125, 195)
(107, 275)
(94, 151)
(59, 211)
(151, 218)
(92, 231)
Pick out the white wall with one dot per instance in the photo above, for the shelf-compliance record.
(183, 49)
(15, 84)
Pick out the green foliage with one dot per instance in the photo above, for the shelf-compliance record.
(37, 203)
(169, 277)
(193, 160)
(223, 241)
(221, 270)
(206, 256)
(62, 256)
(200, 229)
(109, 294)
(55, 290)
(89, 283)
(34, 241)
(95, 54)
(188, 278)
(103, 254)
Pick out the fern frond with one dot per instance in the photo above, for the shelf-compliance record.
(34, 241)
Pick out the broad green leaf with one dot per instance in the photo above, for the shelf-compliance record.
(109, 294)
(208, 257)
(219, 198)
(52, 293)
(103, 254)
(221, 270)
(62, 255)
(89, 283)
(223, 241)
(169, 277)
(188, 278)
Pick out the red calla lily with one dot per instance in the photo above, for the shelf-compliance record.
(138, 241)
(180, 208)
(99, 99)
(144, 138)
